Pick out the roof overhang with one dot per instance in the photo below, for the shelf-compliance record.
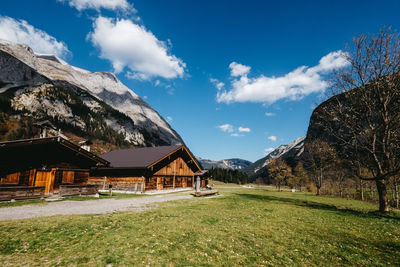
(31, 153)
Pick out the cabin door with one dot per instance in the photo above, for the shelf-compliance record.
(46, 179)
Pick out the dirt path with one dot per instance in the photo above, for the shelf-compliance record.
(83, 207)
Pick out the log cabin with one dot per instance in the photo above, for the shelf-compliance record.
(53, 164)
(148, 168)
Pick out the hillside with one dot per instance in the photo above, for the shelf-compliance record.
(230, 164)
(83, 104)
(290, 153)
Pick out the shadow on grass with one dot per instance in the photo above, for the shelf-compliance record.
(321, 206)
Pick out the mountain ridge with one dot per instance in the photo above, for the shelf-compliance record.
(27, 78)
(231, 164)
(290, 153)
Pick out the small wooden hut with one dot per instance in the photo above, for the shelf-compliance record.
(51, 163)
(149, 168)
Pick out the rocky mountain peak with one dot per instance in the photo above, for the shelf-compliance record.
(22, 68)
(290, 153)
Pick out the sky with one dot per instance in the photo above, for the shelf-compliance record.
(235, 79)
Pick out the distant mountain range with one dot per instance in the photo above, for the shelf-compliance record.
(290, 153)
(90, 105)
(231, 164)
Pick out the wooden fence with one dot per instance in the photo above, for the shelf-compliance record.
(78, 190)
(8, 193)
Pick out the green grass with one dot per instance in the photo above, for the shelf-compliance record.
(22, 202)
(247, 227)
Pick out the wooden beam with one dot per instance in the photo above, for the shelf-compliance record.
(174, 172)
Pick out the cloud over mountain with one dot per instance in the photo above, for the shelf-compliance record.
(129, 45)
(20, 31)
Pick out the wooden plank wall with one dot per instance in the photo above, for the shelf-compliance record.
(167, 182)
(151, 183)
(21, 192)
(13, 178)
(41, 178)
(81, 177)
(177, 167)
(68, 177)
(32, 175)
(45, 178)
(24, 178)
(133, 184)
(78, 190)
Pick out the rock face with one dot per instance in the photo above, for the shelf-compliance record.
(44, 86)
(230, 164)
(290, 153)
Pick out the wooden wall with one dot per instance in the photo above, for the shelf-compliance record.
(168, 182)
(50, 179)
(45, 178)
(133, 184)
(8, 193)
(177, 167)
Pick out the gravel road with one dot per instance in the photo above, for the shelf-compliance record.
(83, 207)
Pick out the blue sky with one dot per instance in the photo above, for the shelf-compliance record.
(184, 50)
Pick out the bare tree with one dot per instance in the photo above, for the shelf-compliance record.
(363, 116)
(318, 157)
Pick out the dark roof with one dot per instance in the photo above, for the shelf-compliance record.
(138, 157)
(33, 153)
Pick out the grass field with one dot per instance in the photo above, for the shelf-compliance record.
(248, 227)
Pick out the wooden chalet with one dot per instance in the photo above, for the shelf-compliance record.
(149, 168)
(52, 164)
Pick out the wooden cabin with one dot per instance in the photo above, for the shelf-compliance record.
(149, 168)
(51, 163)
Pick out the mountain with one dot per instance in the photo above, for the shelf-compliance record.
(93, 105)
(290, 153)
(231, 164)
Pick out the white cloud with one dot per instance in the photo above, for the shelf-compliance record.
(269, 114)
(114, 5)
(244, 130)
(169, 119)
(127, 44)
(226, 128)
(20, 31)
(294, 85)
(268, 150)
(272, 138)
(232, 130)
(219, 85)
(238, 69)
